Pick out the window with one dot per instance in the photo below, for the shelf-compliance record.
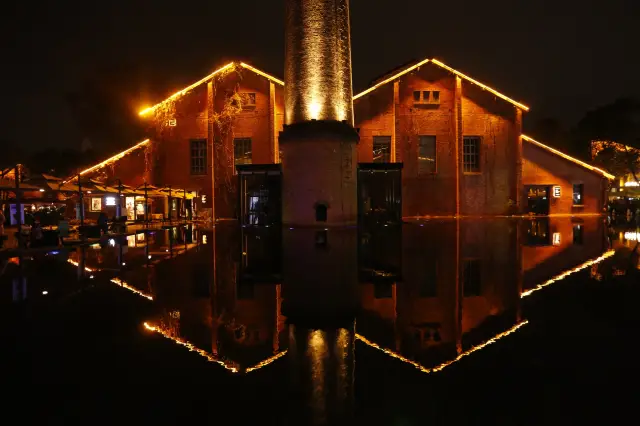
(96, 204)
(472, 278)
(382, 290)
(426, 154)
(578, 235)
(241, 151)
(321, 213)
(578, 194)
(471, 154)
(199, 157)
(435, 97)
(416, 96)
(425, 96)
(249, 99)
(381, 149)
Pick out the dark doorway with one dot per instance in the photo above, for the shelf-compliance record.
(321, 212)
(379, 194)
(538, 199)
(260, 194)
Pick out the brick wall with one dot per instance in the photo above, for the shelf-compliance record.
(542, 167)
(469, 111)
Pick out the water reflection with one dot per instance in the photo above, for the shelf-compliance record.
(427, 294)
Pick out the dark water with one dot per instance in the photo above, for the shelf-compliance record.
(443, 322)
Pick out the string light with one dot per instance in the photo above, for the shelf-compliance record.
(448, 68)
(446, 364)
(567, 273)
(130, 288)
(262, 73)
(568, 157)
(191, 347)
(266, 362)
(113, 159)
(74, 263)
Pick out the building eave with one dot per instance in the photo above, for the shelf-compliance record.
(568, 157)
(228, 67)
(445, 67)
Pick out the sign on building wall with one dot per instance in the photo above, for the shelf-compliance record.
(172, 123)
(556, 191)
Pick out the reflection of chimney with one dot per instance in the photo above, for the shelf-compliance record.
(318, 141)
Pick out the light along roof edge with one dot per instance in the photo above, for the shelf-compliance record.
(448, 68)
(568, 157)
(111, 159)
(208, 77)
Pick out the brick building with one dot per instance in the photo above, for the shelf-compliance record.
(458, 142)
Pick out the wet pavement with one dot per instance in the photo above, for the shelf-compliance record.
(440, 321)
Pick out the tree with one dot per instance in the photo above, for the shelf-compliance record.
(613, 129)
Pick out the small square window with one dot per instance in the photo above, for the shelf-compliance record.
(249, 99)
(435, 96)
(425, 95)
(416, 96)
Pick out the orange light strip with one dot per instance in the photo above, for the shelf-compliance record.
(481, 85)
(266, 362)
(264, 74)
(390, 79)
(132, 289)
(114, 158)
(186, 89)
(76, 264)
(567, 273)
(568, 157)
(444, 365)
(191, 347)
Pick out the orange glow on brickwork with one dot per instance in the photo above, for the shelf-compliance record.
(448, 68)
(568, 157)
(567, 273)
(446, 364)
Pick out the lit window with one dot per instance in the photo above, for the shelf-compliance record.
(241, 151)
(381, 149)
(471, 154)
(472, 278)
(96, 204)
(199, 157)
(249, 99)
(110, 201)
(578, 194)
(426, 154)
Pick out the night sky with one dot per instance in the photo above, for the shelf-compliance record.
(66, 64)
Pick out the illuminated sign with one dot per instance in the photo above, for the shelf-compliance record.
(556, 238)
(203, 199)
(110, 201)
(631, 183)
(204, 239)
(172, 123)
(556, 191)
(96, 204)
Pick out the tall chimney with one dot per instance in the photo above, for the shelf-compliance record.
(318, 141)
(318, 61)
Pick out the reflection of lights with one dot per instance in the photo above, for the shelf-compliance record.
(191, 347)
(112, 242)
(444, 364)
(567, 273)
(132, 289)
(266, 362)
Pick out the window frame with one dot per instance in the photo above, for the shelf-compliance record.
(435, 156)
(373, 149)
(580, 185)
(235, 159)
(202, 149)
(478, 154)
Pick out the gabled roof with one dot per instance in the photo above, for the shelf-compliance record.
(568, 157)
(448, 68)
(229, 67)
